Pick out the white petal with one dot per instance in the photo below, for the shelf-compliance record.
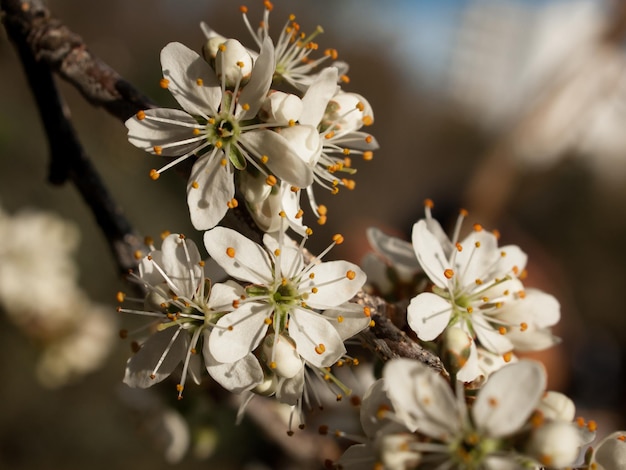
(375, 398)
(334, 287)
(513, 262)
(317, 97)
(249, 263)
(509, 397)
(353, 319)
(305, 141)
(283, 161)
(471, 370)
(291, 258)
(147, 133)
(358, 457)
(611, 452)
(356, 140)
(478, 256)
(490, 338)
(237, 376)
(430, 254)
(422, 398)
(183, 67)
(398, 252)
(428, 315)
(290, 391)
(182, 266)
(140, 367)
(316, 339)
(248, 328)
(208, 202)
(256, 89)
(223, 295)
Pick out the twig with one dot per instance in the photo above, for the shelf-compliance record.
(67, 157)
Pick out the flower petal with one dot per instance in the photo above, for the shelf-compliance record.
(283, 161)
(336, 283)
(430, 254)
(490, 338)
(192, 81)
(316, 339)
(249, 261)
(289, 391)
(255, 91)
(348, 319)
(236, 376)
(239, 332)
(182, 266)
(140, 367)
(210, 188)
(147, 133)
(428, 315)
(317, 97)
(508, 398)
(223, 295)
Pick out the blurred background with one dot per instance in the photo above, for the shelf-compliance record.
(514, 110)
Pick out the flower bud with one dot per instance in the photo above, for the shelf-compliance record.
(233, 63)
(211, 46)
(457, 348)
(286, 362)
(555, 444)
(267, 387)
(556, 406)
(348, 111)
(281, 108)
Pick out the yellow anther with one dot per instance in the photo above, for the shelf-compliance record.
(368, 120)
(273, 365)
(459, 247)
(199, 82)
(335, 190)
(164, 83)
(195, 185)
(344, 78)
(154, 174)
(477, 244)
(502, 330)
(157, 149)
(299, 214)
(339, 319)
(230, 251)
(268, 5)
(138, 254)
(311, 275)
(277, 252)
(241, 65)
(320, 348)
(232, 203)
(294, 189)
(235, 303)
(346, 151)
(245, 106)
(141, 115)
(360, 106)
(448, 273)
(367, 311)
(338, 239)
(268, 321)
(314, 290)
(120, 296)
(479, 282)
(523, 326)
(368, 155)
(164, 234)
(592, 425)
(201, 263)
(282, 214)
(283, 282)
(309, 231)
(469, 309)
(291, 123)
(350, 275)
(243, 9)
(493, 402)
(222, 47)
(329, 135)
(507, 356)
(196, 132)
(264, 159)
(223, 162)
(219, 144)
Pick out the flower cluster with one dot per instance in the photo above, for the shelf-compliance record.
(413, 419)
(477, 304)
(246, 134)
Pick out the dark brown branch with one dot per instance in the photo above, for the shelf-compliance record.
(63, 51)
(67, 157)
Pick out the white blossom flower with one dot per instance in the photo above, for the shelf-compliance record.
(479, 438)
(477, 288)
(218, 125)
(293, 48)
(610, 454)
(287, 294)
(186, 308)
